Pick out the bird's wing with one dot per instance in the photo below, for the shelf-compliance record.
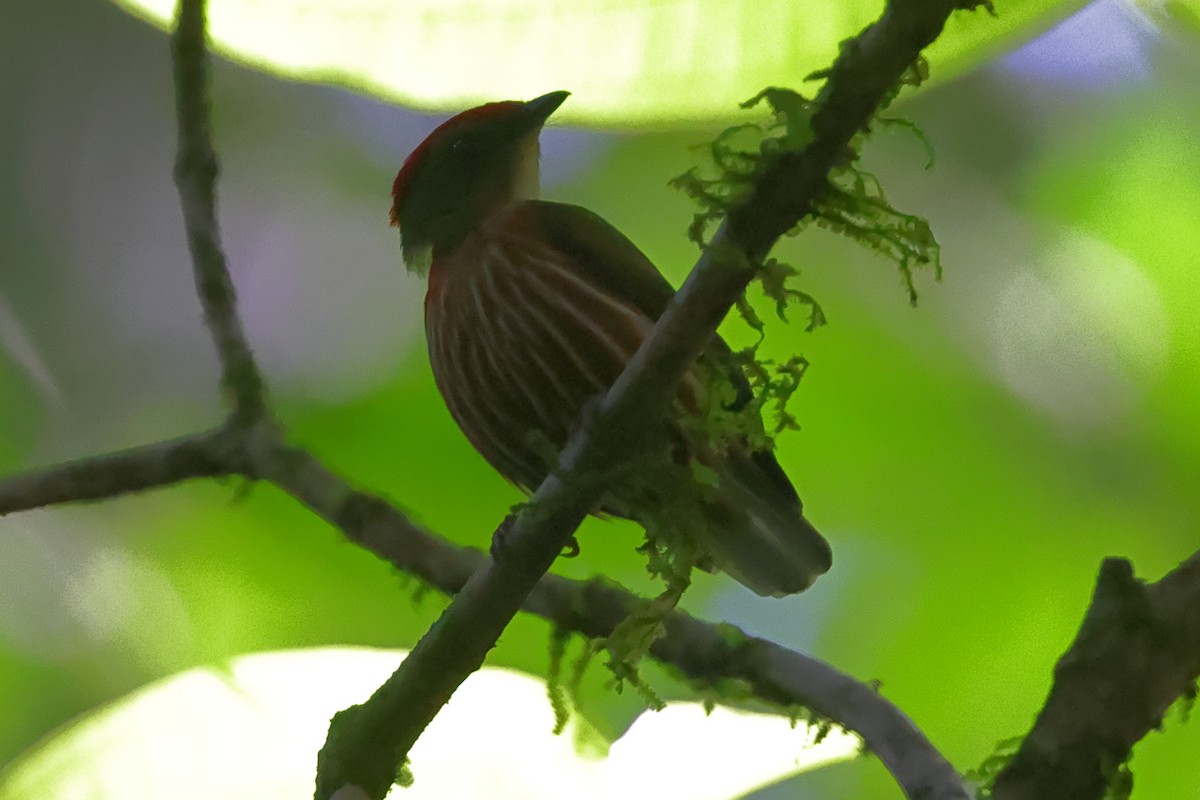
(767, 544)
(610, 259)
(604, 254)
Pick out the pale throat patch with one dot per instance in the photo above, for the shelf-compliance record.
(526, 179)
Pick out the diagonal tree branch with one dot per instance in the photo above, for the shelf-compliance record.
(369, 742)
(707, 654)
(366, 748)
(195, 176)
(1136, 653)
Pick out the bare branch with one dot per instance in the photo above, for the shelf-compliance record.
(201, 455)
(195, 175)
(786, 677)
(367, 743)
(703, 652)
(1136, 653)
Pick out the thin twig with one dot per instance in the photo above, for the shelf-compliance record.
(1136, 653)
(201, 455)
(195, 176)
(369, 742)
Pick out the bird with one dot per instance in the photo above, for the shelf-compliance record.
(533, 308)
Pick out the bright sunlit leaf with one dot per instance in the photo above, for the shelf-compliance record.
(253, 730)
(627, 63)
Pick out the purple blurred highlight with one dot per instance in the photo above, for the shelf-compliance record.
(1107, 44)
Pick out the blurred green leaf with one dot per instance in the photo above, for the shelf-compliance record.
(627, 63)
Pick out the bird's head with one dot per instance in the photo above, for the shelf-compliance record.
(482, 158)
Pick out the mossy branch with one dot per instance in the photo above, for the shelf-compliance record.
(368, 745)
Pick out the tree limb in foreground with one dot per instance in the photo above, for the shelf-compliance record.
(1136, 653)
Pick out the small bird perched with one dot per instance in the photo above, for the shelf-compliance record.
(534, 308)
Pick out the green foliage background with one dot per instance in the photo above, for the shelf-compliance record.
(972, 460)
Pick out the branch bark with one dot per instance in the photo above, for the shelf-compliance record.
(1136, 653)
(705, 653)
(195, 177)
(201, 455)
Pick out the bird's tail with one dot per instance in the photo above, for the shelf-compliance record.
(758, 534)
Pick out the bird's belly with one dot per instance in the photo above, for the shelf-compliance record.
(518, 348)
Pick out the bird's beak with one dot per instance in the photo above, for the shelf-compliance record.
(540, 108)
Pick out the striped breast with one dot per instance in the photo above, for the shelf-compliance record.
(519, 340)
